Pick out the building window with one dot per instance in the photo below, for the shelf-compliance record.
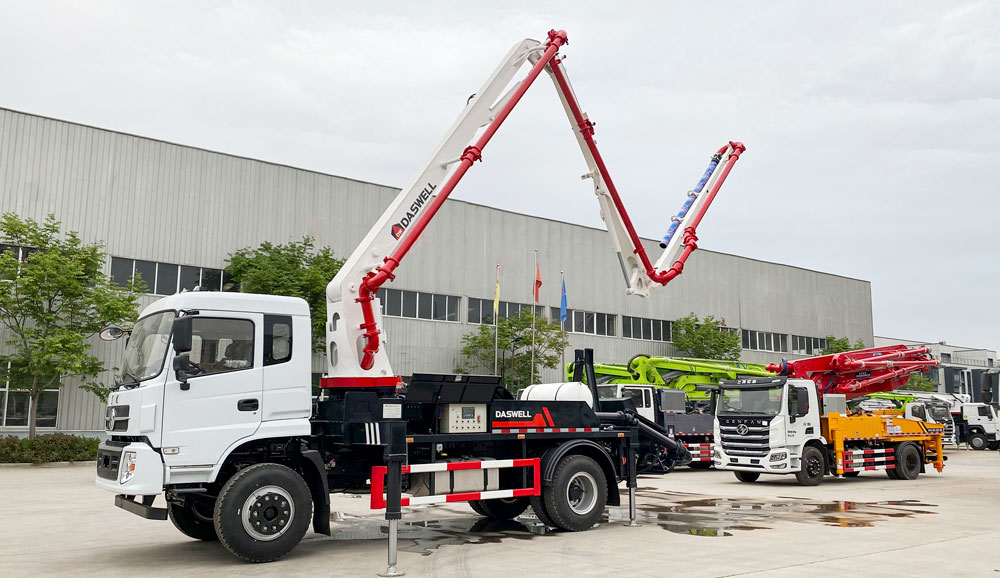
(15, 402)
(808, 345)
(765, 341)
(169, 278)
(643, 328)
(587, 322)
(481, 310)
(416, 305)
(945, 357)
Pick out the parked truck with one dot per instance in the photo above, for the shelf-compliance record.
(797, 422)
(213, 408)
(973, 423)
(678, 394)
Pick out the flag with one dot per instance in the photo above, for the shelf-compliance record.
(538, 281)
(496, 296)
(562, 303)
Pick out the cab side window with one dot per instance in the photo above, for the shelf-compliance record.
(277, 339)
(219, 344)
(793, 400)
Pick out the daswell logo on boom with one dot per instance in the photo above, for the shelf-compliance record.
(399, 228)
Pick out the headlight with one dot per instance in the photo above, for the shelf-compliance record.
(779, 457)
(127, 468)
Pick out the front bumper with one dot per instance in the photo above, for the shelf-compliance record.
(147, 476)
(783, 465)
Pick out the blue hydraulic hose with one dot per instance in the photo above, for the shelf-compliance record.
(675, 221)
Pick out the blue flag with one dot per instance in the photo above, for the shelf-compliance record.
(562, 303)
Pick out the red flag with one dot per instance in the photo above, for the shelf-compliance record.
(538, 281)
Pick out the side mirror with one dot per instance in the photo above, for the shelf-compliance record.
(182, 335)
(182, 364)
(111, 333)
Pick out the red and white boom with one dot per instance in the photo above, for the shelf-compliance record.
(860, 372)
(355, 344)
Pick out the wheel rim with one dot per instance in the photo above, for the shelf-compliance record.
(912, 462)
(267, 513)
(581, 493)
(813, 467)
(977, 442)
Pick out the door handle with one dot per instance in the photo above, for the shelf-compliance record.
(247, 405)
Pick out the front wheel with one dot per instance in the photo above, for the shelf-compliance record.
(747, 477)
(813, 467)
(263, 512)
(193, 520)
(978, 441)
(578, 494)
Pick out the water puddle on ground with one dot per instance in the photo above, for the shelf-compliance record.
(680, 513)
(686, 514)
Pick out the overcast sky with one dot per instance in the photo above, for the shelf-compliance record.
(870, 126)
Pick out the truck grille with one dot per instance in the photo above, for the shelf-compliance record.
(116, 418)
(744, 436)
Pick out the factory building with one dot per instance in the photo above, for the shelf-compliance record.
(961, 368)
(174, 213)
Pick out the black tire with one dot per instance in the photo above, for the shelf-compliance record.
(538, 506)
(503, 508)
(851, 474)
(891, 472)
(747, 477)
(259, 494)
(477, 507)
(700, 465)
(813, 467)
(578, 494)
(908, 462)
(978, 441)
(193, 520)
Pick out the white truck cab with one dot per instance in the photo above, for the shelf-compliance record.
(762, 425)
(179, 409)
(980, 426)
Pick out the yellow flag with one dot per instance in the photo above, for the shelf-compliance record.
(496, 296)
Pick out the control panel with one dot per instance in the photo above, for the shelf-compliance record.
(463, 418)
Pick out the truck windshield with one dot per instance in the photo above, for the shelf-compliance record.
(758, 400)
(146, 348)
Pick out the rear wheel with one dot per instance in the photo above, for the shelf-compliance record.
(978, 441)
(538, 506)
(578, 494)
(502, 508)
(262, 512)
(813, 467)
(908, 462)
(747, 477)
(477, 507)
(194, 520)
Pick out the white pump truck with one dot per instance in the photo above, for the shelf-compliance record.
(213, 409)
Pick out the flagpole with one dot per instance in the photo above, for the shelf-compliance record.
(534, 294)
(562, 324)
(496, 323)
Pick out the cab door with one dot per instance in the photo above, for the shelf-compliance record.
(220, 403)
(803, 415)
(642, 397)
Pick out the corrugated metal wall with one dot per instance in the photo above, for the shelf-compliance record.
(153, 200)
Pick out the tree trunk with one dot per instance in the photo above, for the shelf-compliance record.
(33, 411)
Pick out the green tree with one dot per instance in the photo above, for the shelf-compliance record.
(52, 298)
(917, 382)
(514, 348)
(841, 344)
(708, 338)
(295, 269)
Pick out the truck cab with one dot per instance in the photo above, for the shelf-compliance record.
(979, 426)
(201, 374)
(762, 425)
